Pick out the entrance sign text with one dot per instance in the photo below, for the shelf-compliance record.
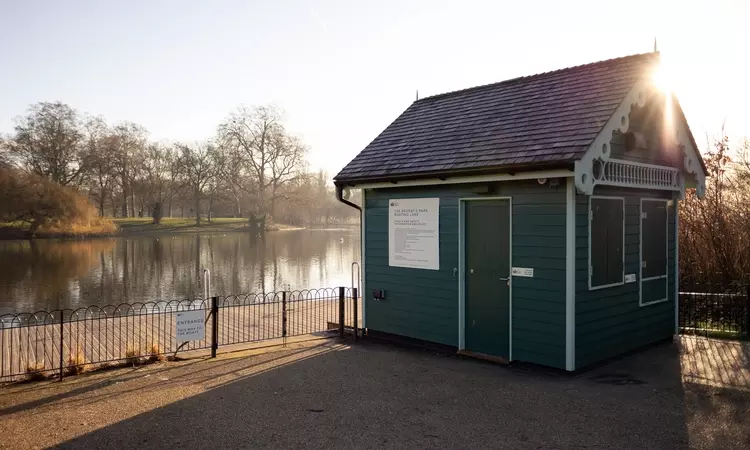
(413, 233)
(191, 325)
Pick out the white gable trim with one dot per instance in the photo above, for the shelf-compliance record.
(600, 150)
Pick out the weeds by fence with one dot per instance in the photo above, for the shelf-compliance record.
(58, 342)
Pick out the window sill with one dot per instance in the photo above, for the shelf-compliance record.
(655, 302)
(605, 286)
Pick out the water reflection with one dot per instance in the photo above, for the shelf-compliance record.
(45, 274)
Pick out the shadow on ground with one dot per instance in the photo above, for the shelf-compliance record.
(329, 395)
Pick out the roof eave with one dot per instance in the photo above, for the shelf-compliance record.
(446, 174)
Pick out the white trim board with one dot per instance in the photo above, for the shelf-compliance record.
(560, 173)
(570, 276)
(590, 219)
(676, 268)
(462, 266)
(362, 240)
(664, 277)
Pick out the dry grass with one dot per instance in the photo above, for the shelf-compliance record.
(80, 227)
(155, 353)
(35, 372)
(76, 363)
(133, 355)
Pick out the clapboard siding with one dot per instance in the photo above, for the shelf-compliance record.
(423, 304)
(610, 321)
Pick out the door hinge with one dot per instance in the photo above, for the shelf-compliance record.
(644, 215)
(591, 270)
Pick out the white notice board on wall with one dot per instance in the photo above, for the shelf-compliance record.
(413, 233)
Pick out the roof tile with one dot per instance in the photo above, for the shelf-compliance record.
(547, 118)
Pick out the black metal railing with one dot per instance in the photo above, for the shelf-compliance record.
(715, 311)
(59, 342)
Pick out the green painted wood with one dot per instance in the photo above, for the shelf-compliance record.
(423, 304)
(610, 321)
(487, 240)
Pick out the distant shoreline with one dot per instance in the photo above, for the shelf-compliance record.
(145, 227)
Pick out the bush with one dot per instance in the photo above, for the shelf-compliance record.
(35, 372)
(47, 206)
(76, 363)
(155, 353)
(133, 356)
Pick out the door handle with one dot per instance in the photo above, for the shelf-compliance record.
(505, 279)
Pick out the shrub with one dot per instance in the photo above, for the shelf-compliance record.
(47, 206)
(133, 355)
(155, 353)
(76, 363)
(35, 372)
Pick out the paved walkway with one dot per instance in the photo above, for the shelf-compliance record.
(329, 395)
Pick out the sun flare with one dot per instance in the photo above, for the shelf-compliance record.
(662, 77)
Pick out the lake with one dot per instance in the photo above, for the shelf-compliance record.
(52, 274)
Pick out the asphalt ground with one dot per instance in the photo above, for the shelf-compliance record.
(329, 394)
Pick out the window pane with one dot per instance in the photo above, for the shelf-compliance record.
(654, 239)
(606, 241)
(615, 239)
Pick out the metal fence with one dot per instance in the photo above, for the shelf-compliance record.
(60, 342)
(715, 311)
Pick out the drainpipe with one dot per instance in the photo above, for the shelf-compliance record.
(340, 197)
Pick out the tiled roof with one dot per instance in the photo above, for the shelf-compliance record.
(538, 120)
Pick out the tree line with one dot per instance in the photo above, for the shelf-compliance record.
(715, 230)
(252, 167)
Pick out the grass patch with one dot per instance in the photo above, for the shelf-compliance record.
(137, 225)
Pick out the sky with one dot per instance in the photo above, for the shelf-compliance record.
(343, 70)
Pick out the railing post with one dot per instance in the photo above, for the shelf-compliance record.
(214, 326)
(283, 316)
(342, 306)
(747, 311)
(61, 343)
(354, 310)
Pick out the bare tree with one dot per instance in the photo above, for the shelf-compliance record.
(234, 177)
(128, 145)
(287, 165)
(199, 168)
(48, 142)
(715, 231)
(271, 156)
(97, 147)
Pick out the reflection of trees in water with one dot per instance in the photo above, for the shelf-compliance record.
(37, 272)
(169, 267)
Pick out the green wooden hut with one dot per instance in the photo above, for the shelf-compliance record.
(534, 219)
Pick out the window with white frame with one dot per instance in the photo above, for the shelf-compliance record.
(654, 245)
(606, 241)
